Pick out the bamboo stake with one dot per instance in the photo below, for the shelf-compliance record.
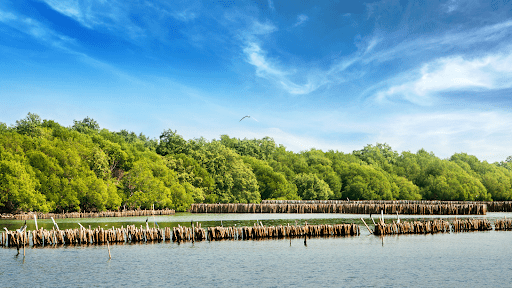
(6, 237)
(35, 220)
(371, 232)
(55, 224)
(108, 247)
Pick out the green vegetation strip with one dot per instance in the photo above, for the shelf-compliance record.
(46, 167)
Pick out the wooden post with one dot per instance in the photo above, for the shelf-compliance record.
(35, 220)
(193, 233)
(108, 247)
(371, 232)
(55, 224)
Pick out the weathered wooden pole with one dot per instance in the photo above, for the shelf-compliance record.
(55, 224)
(193, 232)
(371, 232)
(108, 247)
(35, 221)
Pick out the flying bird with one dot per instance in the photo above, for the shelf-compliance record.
(248, 117)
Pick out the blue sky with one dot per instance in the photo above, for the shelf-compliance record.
(311, 74)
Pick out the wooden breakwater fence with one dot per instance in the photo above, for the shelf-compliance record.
(133, 234)
(434, 226)
(503, 224)
(492, 206)
(127, 213)
(348, 207)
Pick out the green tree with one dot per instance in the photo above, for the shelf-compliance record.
(189, 171)
(496, 180)
(3, 127)
(366, 182)
(87, 125)
(17, 188)
(30, 126)
(234, 180)
(380, 155)
(261, 149)
(171, 143)
(321, 165)
(310, 187)
(272, 185)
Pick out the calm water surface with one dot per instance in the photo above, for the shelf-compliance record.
(440, 260)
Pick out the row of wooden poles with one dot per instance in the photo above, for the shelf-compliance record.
(347, 207)
(492, 206)
(407, 207)
(133, 234)
(182, 233)
(439, 226)
(126, 213)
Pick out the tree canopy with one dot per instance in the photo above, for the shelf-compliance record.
(51, 168)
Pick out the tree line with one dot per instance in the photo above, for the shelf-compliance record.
(47, 167)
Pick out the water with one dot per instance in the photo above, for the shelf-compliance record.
(440, 260)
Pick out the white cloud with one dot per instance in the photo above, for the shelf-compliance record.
(36, 29)
(266, 68)
(451, 74)
(185, 15)
(7, 16)
(483, 134)
(112, 15)
(271, 5)
(497, 33)
(301, 19)
(269, 68)
(451, 6)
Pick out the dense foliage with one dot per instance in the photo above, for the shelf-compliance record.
(47, 167)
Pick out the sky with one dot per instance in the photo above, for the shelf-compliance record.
(329, 75)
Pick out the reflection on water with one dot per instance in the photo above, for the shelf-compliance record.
(445, 260)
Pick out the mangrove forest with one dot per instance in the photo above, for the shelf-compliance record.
(47, 167)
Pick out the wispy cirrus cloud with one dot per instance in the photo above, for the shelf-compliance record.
(7, 16)
(453, 74)
(62, 43)
(111, 15)
(36, 29)
(472, 132)
(301, 19)
(267, 68)
(379, 50)
(271, 5)
(185, 15)
(294, 80)
(442, 44)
